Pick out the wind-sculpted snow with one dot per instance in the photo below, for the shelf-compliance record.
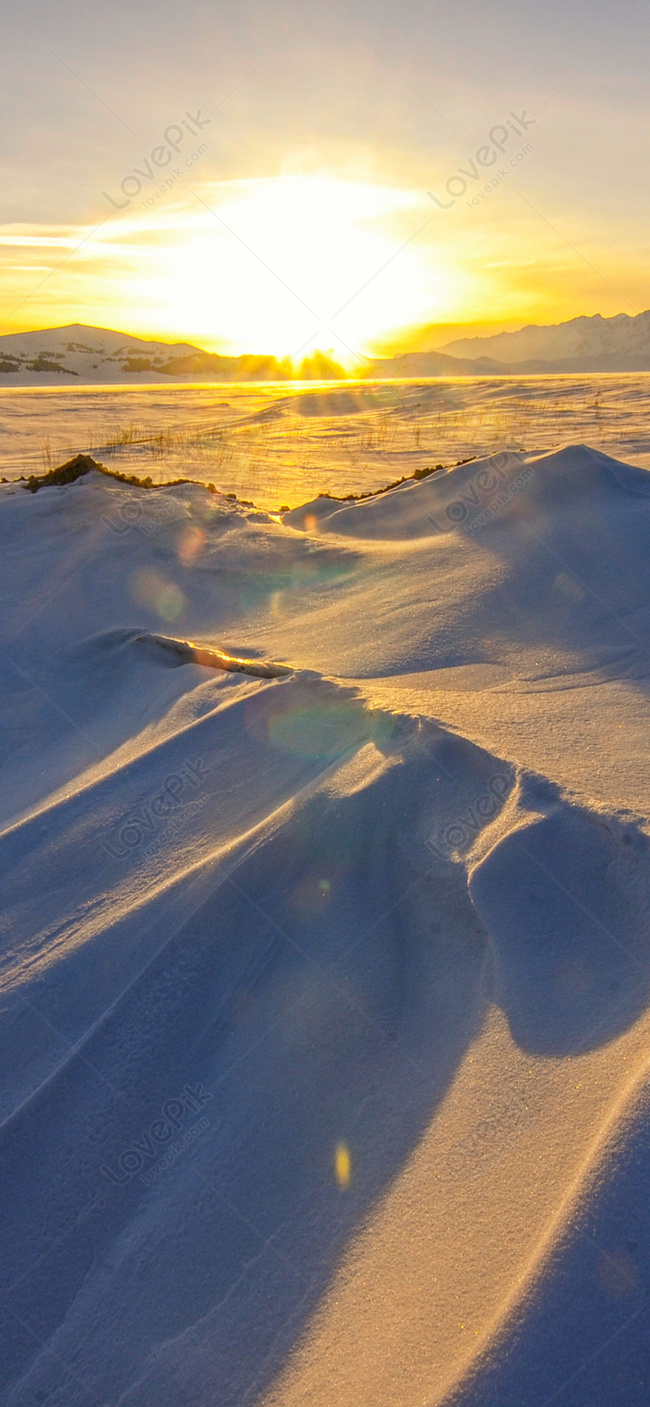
(188, 652)
(324, 948)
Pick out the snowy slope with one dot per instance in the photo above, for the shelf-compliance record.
(60, 355)
(80, 355)
(325, 1019)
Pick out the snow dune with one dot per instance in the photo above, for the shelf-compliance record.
(324, 942)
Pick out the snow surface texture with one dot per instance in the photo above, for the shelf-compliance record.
(282, 444)
(325, 1019)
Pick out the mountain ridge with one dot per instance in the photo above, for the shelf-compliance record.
(584, 338)
(81, 354)
(72, 353)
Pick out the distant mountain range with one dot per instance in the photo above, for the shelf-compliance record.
(621, 343)
(81, 355)
(596, 342)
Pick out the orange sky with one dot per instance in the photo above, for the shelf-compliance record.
(355, 184)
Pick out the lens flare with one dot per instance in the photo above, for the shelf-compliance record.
(191, 544)
(342, 1165)
(164, 597)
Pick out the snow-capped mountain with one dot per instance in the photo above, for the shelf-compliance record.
(621, 343)
(84, 355)
(81, 355)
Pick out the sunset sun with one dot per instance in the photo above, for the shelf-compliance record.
(291, 263)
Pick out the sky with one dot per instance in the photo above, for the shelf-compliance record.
(361, 177)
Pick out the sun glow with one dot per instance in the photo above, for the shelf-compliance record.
(288, 264)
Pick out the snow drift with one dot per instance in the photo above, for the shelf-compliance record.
(324, 942)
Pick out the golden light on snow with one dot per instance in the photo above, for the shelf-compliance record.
(342, 1165)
